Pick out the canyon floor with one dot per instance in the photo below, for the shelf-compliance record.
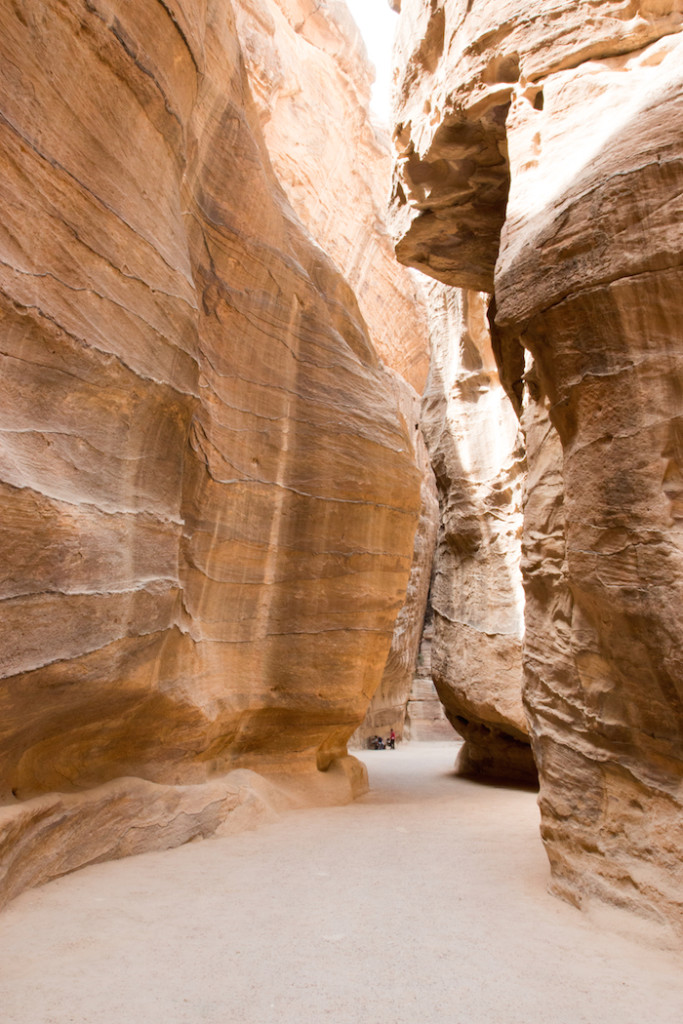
(423, 902)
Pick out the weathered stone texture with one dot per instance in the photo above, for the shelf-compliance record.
(596, 297)
(460, 66)
(588, 278)
(311, 80)
(475, 445)
(209, 492)
(388, 707)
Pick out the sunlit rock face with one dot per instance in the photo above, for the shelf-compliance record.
(588, 279)
(310, 78)
(477, 453)
(209, 488)
(460, 64)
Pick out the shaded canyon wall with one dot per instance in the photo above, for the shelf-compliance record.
(209, 486)
(476, 449)
(541, 160)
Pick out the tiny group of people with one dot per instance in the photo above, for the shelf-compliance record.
(377, 743)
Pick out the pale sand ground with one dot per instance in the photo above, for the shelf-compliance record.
(422, 903)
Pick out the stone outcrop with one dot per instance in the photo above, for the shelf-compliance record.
(477, 453)
(460, 66)
(607, 340)
(57, 833)
(575, 109)
(209, 486)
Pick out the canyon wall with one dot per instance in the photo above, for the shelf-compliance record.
(209, 486)
(476, 449)
(388, 707)
(311, 79)
(425, 718)
(541, 159)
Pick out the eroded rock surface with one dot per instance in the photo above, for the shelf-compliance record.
(477, 453)
(209, 490)
(460, 65)
(578, 108)
(388, 707)
(597, 299)
(311, 81)
(425, 718)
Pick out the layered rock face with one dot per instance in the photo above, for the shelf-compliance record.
(578, 106)
(606, 336)
(388, 707)
(311, 80)
(209, 488)
(477, 453)
(460, 66)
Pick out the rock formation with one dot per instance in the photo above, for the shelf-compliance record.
(476, 449)
(310, 78)
(209, 487)
(477, 453)
(541, 159)
(425, 718)
(388, 707)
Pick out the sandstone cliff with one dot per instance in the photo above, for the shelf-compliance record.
(310, 78)
(540, 158)
(209, 491)
(388, 707)
(425, 719)
(477, 453)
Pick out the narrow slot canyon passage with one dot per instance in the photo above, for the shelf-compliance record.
(423, 901)
(332, 418)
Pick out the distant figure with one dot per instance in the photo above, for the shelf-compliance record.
(391, 742)
(376, 743)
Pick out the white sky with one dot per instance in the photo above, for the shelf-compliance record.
(377, 23)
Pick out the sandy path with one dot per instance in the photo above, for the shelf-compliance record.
(422, 903)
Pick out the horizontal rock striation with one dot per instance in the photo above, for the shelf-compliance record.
(311, 80)
(209, 491)
(588, 275)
